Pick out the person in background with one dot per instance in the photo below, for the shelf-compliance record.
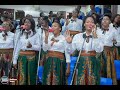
(50, 17)
(29, 16)
(92, 7)
(25, 58)
(62, 20)
(81, 14)
(56, 19)
(6, 17)
(42, 14)
(55, 72)
(73, 24)
(22, 20)
(88, 66)
(96, 16)
(116, 24)
(6, 49)
(39, 25)
(44, 26)
(109, 37)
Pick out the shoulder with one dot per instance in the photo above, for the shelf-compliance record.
(112, 29)
(62, 36)
(79, 20)
(79, 35)
(11, 34)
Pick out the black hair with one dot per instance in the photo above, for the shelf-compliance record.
(93, 5)
(50, 12)
(97, 17)
(113, 18)
(58, 24)
(21, 21)
(85, 20)
(108, 15)
(32, 24)
(41, 14)
(45, 18)
(56, 19)
(77, 10)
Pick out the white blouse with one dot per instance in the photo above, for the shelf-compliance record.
(73, 25)
(8, 43)
(23, 42)
(42, 34)
(80, 43)
(108, 36)
(59, 46)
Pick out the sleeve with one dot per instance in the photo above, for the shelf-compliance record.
(98, 44)
(47, 46)
(83, 16)
(64, 28)
(16, 35)
(70, 48)
(37, 45)
(16, 52)
(117, 38)
(67, 55)
(80, 25)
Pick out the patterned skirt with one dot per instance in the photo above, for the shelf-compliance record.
(75, 53)
(116, 53)
(88, 71)
(5, 61)
(54, 71)
(27, 67)
(107, 64)
(42, 57)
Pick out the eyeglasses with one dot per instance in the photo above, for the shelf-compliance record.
(5, 24)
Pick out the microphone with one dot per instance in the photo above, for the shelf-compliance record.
(22, 27)
(50, 30)
(2, 29)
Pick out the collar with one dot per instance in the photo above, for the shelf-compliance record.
(85, 35)
(105, 29)
(73, 19)
(31, 32)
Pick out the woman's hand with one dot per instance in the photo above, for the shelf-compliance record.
(29, 45)
(94, 31)
(46, 33)
(68, 37)
(67, 22)
(114, 41)
(15, 66)
(46, 36)
(68, 70)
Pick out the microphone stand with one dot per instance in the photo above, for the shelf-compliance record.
(15, 44)
(38, 59)
(76, 64)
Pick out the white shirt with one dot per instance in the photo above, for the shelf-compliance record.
(23, 42)
(8, 43)
(59, 46)
(108, 36)
(80, 43)
(74, 26)
(42, 34)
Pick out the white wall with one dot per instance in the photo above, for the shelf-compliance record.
(30, 9)
(56, 8)
(118, 11)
